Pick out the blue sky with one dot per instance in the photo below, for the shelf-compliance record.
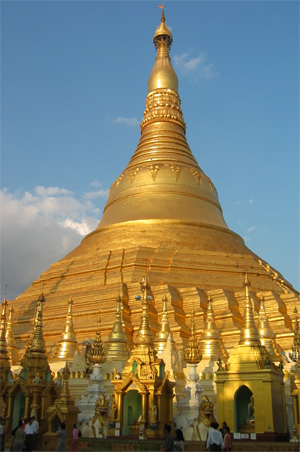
(74, 83)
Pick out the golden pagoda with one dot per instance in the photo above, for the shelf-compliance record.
(67, 346)
(117, 347)
(266, 334)
(164, 332)
(250, 392)
(211, 345)
(10, 340)
(162, 219)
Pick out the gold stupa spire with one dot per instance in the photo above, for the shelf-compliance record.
(10, 340)
(4, 358)
(211, 344)
(266, 333)
(249, 333)
(67, 346)
(144, 335)
(164, 333)
(35, 361)
(37, 343)
(116, 347)
(295, 355)
(192, 354)
(96, 353)
(163, 180)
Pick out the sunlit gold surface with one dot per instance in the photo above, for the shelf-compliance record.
(117, 347)
(4, 357)
(266, 334)
(10, 340)
(249, 334)
(211, 345)
(68, 343)
(162, 219)
(164, 332)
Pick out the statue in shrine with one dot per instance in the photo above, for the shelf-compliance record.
(153, 416)
(250, 417)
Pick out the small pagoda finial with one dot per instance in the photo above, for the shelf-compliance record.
(116, 347)
(144, 334)
(68, 343)
(3, 344)
(249, 332)
(10, 340)
(37, 342)
(192, 354)
(211, 344)
(266, 333)
(295, 355)
(164, 333)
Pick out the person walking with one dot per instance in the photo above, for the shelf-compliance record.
(215, 438)
(61, 438)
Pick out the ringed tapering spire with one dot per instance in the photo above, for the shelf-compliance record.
(4, 358)
(96, 353)
(10, 340)
(67, 346)
(211, 345)
(164, 333)
(266, 333)
(249, 333)
(116, 347)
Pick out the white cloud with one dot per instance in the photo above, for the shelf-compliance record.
(97, 194)
(251, 201)
(39, 228)
(127, 121)
(251, 229)
(195, 64)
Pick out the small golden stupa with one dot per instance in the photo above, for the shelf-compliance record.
(250, 392)
(67, 346)
(10, 340)
(143, 394)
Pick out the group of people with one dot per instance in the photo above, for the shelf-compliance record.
(170, 444)
(25, 435)
(62, 438)
(219, 439)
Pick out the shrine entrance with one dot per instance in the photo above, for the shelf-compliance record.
(243, 410)
(132, 410)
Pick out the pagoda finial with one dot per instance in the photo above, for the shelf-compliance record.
(192, 354)
(249, 332)
(37, 343)
(96, 353)
(266, 333)
(211, 344)
(4, 360)
(164, 333)
(10, 340)
(68, 343)
(116, 348)
(144, 334)
(295, 355)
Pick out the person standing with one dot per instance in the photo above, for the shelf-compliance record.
(18, 444)
(61, 438)
(227, 440)
(169, 441)
(215, 438)
(2, 435)
(29, 431)
(36, 427)
(179, 441)
(75, 440)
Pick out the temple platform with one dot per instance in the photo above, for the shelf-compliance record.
(133, 444)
